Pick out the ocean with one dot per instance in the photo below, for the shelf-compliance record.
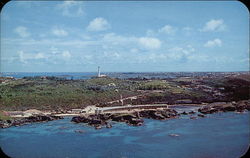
(220, 135)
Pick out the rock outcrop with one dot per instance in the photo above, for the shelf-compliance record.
(132, 119)
(239, 106)
(27, 120)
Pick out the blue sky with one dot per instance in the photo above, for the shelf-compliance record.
(124, 36)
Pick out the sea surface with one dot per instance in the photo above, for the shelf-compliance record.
(220, 135)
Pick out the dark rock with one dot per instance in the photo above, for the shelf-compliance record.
(223, 106)
(104, 116)
(122, 117)
(135, 122)
(191, 112)
(80, 119)
(95, 122)
(130, 119)
(208, 110)
(229, 108)
(108, 125)
(98, 127)
(79, 131)
(159, 114)
(201, 115)
(184, 113)
(31, 119)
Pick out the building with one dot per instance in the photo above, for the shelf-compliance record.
(99, 73)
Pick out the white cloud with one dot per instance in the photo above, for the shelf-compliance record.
(53, 56)
(213, 43)
(98, 24)
(214, 25)
(114, 39)
(39, 56)
(178, 53)
(71, 8)
(111, 54)
(25, 57)
(149, 43)
(22, 31)
(66, 54)
(128, 41)
(22, 57)
(54, 50)
(59, 32)
(167, 29)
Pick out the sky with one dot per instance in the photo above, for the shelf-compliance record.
(124, 36)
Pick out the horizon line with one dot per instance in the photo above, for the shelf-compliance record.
(115, 71)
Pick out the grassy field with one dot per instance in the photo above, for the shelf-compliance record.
(50, 94)
(55, 93)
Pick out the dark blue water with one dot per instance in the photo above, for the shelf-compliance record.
(223, 135)
(67, 75)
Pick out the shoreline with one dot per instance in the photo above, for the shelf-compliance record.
(20, 114)
(130, 117)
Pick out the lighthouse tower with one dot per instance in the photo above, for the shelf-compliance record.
(98, 72)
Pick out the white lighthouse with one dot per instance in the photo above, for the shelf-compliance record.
(98, 72)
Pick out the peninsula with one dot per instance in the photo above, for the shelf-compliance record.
(99, 100)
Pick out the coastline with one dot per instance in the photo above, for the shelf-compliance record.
(131, 117)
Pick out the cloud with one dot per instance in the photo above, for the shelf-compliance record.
(98, 24)
(149, 43)
(111, 54)
(167, 29)
(59, 32)
(22, 31)
(114, 39)
(66, 54)
(53, 57)
(180, 53)
(25, 57)
(213, 43)
(214, 25)
(71, 8)
(39, 56)
(130, 42)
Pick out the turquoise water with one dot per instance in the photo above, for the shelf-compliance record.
(224, 135)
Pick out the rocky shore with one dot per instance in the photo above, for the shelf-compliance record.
(132, 119)
(28, 120)
(136, 118)
(239, 106)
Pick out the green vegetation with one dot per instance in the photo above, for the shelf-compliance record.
(54, 93)
(47, 94)
(154, 85)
